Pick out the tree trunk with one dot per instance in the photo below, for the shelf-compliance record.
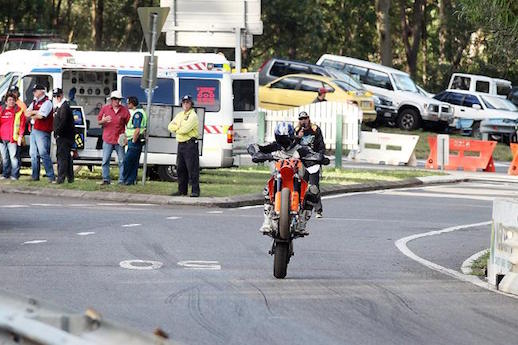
(130, 27)
(412, 48)
(443, 22)
(383, 26)
(96, 13)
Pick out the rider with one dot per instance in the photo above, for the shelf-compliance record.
(285, 146)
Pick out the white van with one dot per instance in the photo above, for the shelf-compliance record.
(413, 107)
(87, 79)
(481, 84)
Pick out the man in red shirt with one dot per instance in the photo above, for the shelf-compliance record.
(12, 128)
(113, 118)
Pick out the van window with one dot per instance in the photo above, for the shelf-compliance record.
(455, 98)
(333, 64)
(482, 86)
(244, 94)
(469, 100)
(441, 96)
(205, 93)
(461, 83)
(289, 83)
(310, 85)
(163, 93)
(378, 79)
(29, 81)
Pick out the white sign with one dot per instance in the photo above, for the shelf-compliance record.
(211, 23)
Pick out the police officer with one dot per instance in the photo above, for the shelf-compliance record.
(135, 130)
(185, 125)
(310, 135)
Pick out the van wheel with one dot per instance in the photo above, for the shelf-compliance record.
(409, 119)
(167, 173)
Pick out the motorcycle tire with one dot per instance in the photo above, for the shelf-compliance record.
(280, 260)
(284, 217)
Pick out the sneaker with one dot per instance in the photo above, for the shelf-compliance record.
(14, 178)
(178, 194)
(3, 178)
(318, 215)
(194, 195)
(104, 183)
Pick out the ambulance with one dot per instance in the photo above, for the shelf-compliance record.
(88, 77)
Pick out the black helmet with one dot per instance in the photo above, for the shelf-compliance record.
(284, 134)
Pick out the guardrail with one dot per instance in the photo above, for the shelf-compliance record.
(28, 321)
(502, 268)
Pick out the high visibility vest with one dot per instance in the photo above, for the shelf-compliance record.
(143, 124)
(17, 121)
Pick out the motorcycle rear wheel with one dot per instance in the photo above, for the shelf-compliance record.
(280, 260)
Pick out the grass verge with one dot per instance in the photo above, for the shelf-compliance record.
(216, 182)
(479, 266)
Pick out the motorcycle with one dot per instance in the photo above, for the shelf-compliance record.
(292, 198)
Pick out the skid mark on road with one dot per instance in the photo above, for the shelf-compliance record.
(401, 244)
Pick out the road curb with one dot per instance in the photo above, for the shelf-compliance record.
(222, 202)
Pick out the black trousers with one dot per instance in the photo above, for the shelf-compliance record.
(188, 166)
(65, 162)
(314, 179)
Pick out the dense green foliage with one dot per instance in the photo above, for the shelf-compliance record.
(429, 38)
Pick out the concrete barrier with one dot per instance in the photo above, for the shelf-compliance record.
(385, 148)
(502, 268)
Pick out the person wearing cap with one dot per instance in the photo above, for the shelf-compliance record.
(113, 118)
(41, 116)
(64, 132)
(16, 91)
(135, 130)
(310, 134)
(321, 95)
(12, 128)
(185, 126)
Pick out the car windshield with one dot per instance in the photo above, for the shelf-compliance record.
(492, 102)
(404, 82)
(346, 78)
(345, 86)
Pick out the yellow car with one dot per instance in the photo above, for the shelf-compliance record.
(294, 90)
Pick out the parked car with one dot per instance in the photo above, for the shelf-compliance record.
(413, 107)
(12, 41)
(480, 83)
(513, 95)
(276, 67)
(478, 113)
(294, 90)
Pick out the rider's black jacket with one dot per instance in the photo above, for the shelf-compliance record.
(312, 137)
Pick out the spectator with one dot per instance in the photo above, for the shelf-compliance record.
(64, 132)
(321, 96)
(135, 130)
(12, 129)
(113, 118)
(40, 114)
(185, 125)
(14, 89)
(310, 135)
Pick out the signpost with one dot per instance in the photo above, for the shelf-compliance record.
(152, 20)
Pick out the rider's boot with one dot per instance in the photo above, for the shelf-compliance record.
(304, 216)
(266, 228)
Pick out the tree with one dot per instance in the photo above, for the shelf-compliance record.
(384, 34)
(412, 27)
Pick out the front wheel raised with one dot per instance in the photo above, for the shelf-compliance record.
(280, 260)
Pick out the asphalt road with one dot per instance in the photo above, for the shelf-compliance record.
(212, 282)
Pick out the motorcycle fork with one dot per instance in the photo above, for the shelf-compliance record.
(274, 242)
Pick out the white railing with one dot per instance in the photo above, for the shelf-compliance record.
(324, 114)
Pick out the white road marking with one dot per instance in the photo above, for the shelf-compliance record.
(466, 265)
(215, 212)
(110, 204)
(130, 225)
(14, 206)
(86, 233)
(248, 207)
(141, 264)
(439, 195)
(200, 265)
(173, 218)
(401, 244)
(80, 205)
(35, 242)
(47, 205)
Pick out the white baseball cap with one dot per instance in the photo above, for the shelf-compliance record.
(116, 94)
